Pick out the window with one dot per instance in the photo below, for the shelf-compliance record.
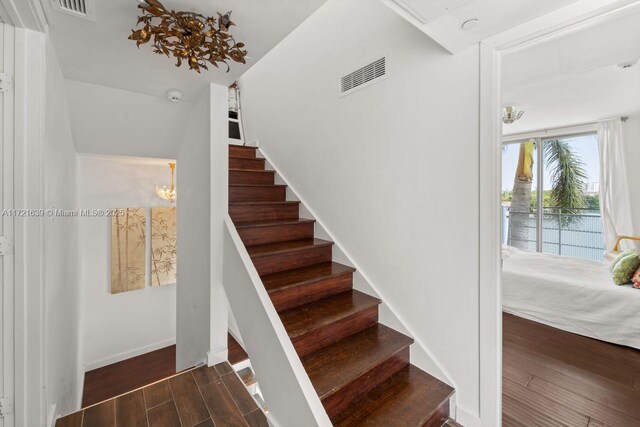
(550, 196)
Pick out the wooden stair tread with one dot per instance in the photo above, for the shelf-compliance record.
(285, 202)
(335, 366)
(281, 247)
(257, 185)
(244, 158)
(301, 276)
(251, 171)
(301, 320)
(409, 398)
(271, 222)
(247, 147)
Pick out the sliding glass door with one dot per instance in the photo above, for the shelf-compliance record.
(550, 198)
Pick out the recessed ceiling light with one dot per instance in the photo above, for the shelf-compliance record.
(470, 24)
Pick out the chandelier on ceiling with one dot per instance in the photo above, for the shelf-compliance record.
(188, 36)
(168, 193)
(511, 113)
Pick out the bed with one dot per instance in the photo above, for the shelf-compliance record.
(571, 294)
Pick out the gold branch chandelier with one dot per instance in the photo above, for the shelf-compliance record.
(169, 194)
(188, 36)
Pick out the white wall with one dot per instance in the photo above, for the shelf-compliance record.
(194, 231)
(62, 300)
(391, 170)
(106, 120)
(120, 326)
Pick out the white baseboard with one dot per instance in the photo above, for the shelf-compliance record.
(128, 354)
(215, 358)
(467, 419)
(52, 417)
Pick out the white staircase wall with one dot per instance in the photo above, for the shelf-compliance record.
(391, 170)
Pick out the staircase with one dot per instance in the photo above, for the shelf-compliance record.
(359, 367)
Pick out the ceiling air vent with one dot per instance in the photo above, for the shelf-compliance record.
(80, 8)
(365, 76)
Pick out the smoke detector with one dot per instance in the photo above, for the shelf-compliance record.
(626, 65)
(174, 95)
(85, 9)
(470, 24)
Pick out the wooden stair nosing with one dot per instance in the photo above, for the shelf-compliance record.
(243, 163)
(340, 363)
(284, 247)
(265, 203)
(272, 223)
(319, 314)
(251, 171)
(258, 185)
(410, 397)
(281, 231)
(242, 151)
(277, 281)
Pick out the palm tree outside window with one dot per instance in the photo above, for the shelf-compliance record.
(550, 196)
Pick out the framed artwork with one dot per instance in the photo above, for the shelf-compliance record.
(128, 250)
(163, 246)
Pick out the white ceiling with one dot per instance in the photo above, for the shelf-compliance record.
(442, 19)
(119, 122)
(575, 78)
(99, 52)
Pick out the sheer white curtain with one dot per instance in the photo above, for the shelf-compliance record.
(615, 188)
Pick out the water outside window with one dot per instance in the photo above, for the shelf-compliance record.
(571, 222)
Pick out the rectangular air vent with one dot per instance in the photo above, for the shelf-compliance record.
(364, 76)
(80, 8)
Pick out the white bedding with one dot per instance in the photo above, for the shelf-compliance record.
(570, 294)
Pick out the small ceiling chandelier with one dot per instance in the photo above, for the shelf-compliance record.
(511, 113)
(188, 36)
(168, 193)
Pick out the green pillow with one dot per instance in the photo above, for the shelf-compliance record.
(625, 266)
(622, 255)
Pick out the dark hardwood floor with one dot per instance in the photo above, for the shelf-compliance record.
(556, 378)
(202, 397)
(113, 380)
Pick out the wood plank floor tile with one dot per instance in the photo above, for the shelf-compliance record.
(122, 377)
(223, 368)
(206, 423)
(191, 407)
(73, 420)
(165, 415)
(157, 394)
(223, 409)
(205, 375)
(256, 418)
(130, 410)
(515, 414)
(572, 380)
(552, 408)
(239, 394)
(582, 404)
(609, 394)
(100, 415)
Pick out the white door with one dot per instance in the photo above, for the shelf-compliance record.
(6, 229)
